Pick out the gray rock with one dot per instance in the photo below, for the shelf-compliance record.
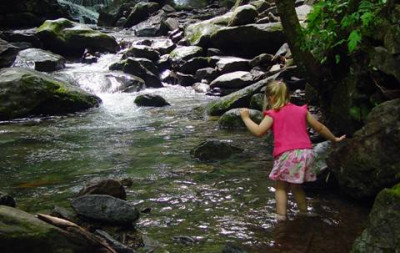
(7, 200)
(26, 92)
(106, 209)
(238, 79)
(386, 62)
(232, 64)
(182, 54)
(150, 100)
(212, 150)
(232, 120)
(243, 15)
(257, 101)
(192, 65)
(383, 230)
(208, 74)
(8, 53)
(153, 26)
(139, 13)
(373, 151)
(142, 52)
(70, 38)
(109, 187)
(40, 60)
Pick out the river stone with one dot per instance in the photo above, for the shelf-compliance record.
(139, 13)
(198, 34)
(373, 151)
(25, 92)
(232, 120)
(142, 52)
(211, 150)
(232, 64)
(192, 65)
(208, 74)
(182, 54)
(249, 40)
(7, 200)
(40, 60)
(23, 232)
(104, 187)
(185, 79)
(257, 101)
(243, 15)
(262, 60)
(383, 231)
(70, 38)
(8, 53)
(237, 99)
(234, 80)
(105, 208)
(150, 100)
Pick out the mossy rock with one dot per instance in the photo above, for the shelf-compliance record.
(383, 231)
(257, 101)
(70, 38)
(26, 92)
(232, 120)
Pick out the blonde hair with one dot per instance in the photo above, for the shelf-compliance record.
(278, 95)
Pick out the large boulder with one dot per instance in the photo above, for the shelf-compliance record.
(243, 15)
(180, 55)
(70, 38)
(26, 92)
(140, 12)
(370, 161)
(8, 53)
(232, 120)
(104, 187)
(150, 100)
(39, 59)
(23, 232)
(249, 40)
(28, 13)
(383, 231)
(234, 80)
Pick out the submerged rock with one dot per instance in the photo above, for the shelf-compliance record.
(150, 100)
(7, 200)
(106, 209)
(40, 60)
(212, 150)
(104, 187)
(70, 38)
(383, 231)
(26, 92)
(373, 151)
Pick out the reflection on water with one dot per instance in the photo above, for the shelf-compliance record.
(195, 207)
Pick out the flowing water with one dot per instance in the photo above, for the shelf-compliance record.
(195, 206)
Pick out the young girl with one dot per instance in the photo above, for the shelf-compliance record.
(293, 152)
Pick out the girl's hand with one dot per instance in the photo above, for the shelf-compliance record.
(244, 113)
(341, 138)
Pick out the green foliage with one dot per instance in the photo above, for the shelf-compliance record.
(335, 24)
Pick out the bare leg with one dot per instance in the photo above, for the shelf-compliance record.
(281, 196)
(299, 197)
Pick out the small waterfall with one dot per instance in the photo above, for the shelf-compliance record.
(79, 12)
(91, 3)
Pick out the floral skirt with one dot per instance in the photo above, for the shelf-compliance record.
(294, 166)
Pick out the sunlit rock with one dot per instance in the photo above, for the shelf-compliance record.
(40, 60)
(232, 120)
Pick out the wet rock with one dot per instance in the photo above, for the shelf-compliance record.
(383, 231)
(257, 101)
(23, 232)
(211, 150)
(232, 120)
(209, 74)
(134, 67)
(234, 80)
(28, 35)
(232, 64)
(106, 209)
(213, 52)
(142, 52)
(249, 40)
(163, 63)
(7, 200)
(260, 5)
(40, 60)
(373, 151)
(237, 99)
(185, 79)
(153, 26)
(182, 54)
(231, 248)
(62, 213)
(140, 12)
(26, 92)
(8, 53)
(163, 46)
(201, 87)
(192, 65)
(262, 60)
(243, 15)
(70, 38)
(150, 100)
(172, 23)
(104, 187)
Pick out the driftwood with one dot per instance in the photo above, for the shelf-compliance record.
(77, 233)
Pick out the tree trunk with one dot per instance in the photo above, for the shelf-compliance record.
(304, 59)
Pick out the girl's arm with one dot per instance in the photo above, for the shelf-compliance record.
(257, 130)
(322, 129)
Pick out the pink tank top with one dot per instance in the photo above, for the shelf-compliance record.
(289, 128)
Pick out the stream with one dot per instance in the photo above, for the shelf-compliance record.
(46, 161)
